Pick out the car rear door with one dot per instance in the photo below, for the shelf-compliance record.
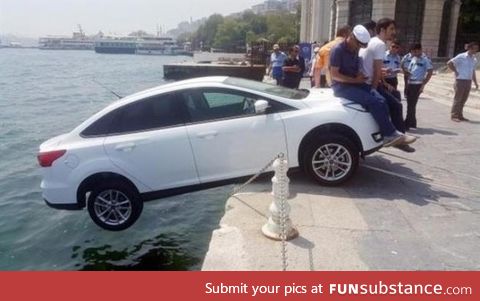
(228, 139)
(150, 143)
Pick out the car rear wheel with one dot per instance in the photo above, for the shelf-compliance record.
(114, 206)
(331, 159)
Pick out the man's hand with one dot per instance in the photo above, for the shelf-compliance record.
(476, 86)
(389, 87)
(360, 78)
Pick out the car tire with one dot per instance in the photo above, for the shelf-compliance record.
(331, 159)
(115, 205)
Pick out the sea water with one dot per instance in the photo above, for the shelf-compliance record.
(44, 93)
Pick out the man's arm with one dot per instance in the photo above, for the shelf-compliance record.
(404, 65)
(451, 65)
(295, 69)
(427, 78)
(377, 73)
(474, 78)
(269, 69)
(337, 76)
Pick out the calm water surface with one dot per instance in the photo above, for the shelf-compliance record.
(46, 93)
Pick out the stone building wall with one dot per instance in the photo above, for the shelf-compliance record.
(317, 16)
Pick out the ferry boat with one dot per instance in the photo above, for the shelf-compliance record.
(127, 45)
(78, 41)
(156, 45)
(146, 45)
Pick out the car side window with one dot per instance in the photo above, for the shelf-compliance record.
(152, 113)
(216, 103)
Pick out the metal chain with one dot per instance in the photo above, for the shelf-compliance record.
(283, 198)
(283, 219)
(255, 176)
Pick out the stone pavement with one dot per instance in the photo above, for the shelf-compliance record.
(401, 211)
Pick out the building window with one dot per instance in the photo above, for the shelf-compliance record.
(409, 20)
(360, 12)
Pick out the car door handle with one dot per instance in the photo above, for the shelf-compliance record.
(207, 135)
(125, 147)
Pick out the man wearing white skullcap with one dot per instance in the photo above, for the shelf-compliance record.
(348, 82)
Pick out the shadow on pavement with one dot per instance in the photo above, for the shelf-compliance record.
(429, 131)
(372, 184)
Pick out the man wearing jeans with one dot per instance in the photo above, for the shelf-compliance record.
(372, 58)
(464, 67)
(349, 82)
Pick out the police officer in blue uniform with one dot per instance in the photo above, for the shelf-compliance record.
(420, 71)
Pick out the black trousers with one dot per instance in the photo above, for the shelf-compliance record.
(395, 108)
(413, 93)
(393, 81)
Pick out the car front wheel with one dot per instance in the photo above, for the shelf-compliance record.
(331, 159)
(114, 206)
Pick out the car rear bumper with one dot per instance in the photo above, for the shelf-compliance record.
(58, 195)
(75, 206)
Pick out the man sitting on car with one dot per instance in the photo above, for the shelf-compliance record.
(348, 82)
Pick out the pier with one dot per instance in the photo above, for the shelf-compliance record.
(402, 211)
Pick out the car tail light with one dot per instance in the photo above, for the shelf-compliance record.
(46, 159)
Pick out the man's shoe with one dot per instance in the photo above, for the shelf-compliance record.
(464, 119)
(394, 139)
(409, 139)
(456, 119)
(406, 148)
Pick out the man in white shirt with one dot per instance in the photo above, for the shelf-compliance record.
(372, 63)
(277, 58)
(464, 67)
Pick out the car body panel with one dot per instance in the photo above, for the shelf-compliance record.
(160, 159)
(236, 147)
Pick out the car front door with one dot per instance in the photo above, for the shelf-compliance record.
(150, 143)
(228, 139)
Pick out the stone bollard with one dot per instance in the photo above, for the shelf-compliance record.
(273, 228)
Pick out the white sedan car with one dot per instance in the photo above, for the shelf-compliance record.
(196, 134)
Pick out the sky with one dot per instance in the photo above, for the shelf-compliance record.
(35, 18)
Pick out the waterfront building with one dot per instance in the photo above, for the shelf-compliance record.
(431, 22)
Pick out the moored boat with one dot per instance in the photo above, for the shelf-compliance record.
(78, 41)
(127, 45)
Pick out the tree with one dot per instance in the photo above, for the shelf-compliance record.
(282, 28)
(231, 35)
(205, 34)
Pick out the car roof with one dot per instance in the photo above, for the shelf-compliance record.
(170, 86)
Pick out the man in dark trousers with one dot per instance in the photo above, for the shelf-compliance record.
(291, 69)
(463, 65)
(301, 60)
(420, 71)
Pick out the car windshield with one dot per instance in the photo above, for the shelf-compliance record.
(267, 88)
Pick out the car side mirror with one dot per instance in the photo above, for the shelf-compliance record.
(261, 106)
